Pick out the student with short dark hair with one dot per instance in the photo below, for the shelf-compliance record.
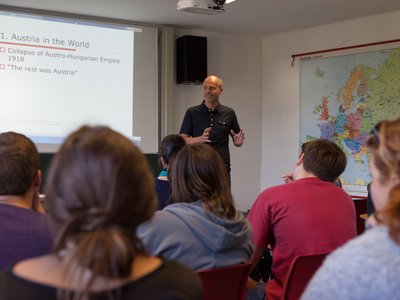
(99, 189)
(24, 230)
(169, 147)
(309, 215)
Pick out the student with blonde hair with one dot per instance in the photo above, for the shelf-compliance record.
(99, 190)
(368, 266)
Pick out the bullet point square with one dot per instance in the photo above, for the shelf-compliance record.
(2, 49)
(2, 66)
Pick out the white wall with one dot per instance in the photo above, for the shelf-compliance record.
(263, 88)
(145, 90)
(236, 59)
(280, 115)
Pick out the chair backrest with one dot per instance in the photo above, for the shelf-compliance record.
(225, 283)
(360, 204)
(301, 270)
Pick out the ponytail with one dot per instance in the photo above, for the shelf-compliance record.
(101, 246)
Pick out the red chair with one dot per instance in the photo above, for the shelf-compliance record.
(225, 283)
(300, 273)
(360, 204)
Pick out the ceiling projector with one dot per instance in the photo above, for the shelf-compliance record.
(208, 7)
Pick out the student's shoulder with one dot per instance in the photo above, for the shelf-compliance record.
(172, 265)
(271, 197)
(277, 189)
(187, 278)
(373, 246)
(168, 215)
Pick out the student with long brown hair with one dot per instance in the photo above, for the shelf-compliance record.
(202, 229)
(99, 190)
(367, 267)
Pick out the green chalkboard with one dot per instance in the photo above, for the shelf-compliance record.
(45, 159)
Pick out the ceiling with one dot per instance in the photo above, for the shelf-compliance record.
(254, 17)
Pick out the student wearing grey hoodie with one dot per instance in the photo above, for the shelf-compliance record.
(202, 229)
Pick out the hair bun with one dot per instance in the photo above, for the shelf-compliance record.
(95, 218)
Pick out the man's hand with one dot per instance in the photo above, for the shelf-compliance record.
(37, 203)
(206, 135)
(288, 177)
(238, 138)
(204, 138)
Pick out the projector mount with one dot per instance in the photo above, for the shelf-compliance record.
(219, 2)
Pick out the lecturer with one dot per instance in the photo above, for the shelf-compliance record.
(213, 123)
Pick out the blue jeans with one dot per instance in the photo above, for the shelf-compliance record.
(256, 293)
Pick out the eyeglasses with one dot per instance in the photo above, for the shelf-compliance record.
(375, 131)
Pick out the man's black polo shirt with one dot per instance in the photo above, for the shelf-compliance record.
(221, 120)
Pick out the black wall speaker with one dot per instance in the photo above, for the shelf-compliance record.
(191, 59)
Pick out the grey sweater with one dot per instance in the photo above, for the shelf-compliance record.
(366, 267)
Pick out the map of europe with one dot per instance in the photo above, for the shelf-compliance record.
(342, 98)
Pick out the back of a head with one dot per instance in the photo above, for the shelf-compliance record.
(198, 173)
(384, 145)
(99, 189)
(19, 163)
(324, 159)
(170, 145)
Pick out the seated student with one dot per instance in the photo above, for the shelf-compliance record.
(24, 230)
(307, 216)
(368, 266)
(99, 189)
(201, 229)
(169, 147)
(288, 177)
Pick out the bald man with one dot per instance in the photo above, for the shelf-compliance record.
(213, 123)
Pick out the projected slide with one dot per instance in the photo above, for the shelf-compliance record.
(57, 74)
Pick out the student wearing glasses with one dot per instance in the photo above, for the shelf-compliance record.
(368, 266)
